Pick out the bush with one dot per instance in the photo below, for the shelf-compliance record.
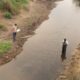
(8, 15)
(2, 27)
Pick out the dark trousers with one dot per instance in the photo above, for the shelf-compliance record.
(14, 36)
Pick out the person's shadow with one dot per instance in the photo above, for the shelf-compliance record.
(63, 56)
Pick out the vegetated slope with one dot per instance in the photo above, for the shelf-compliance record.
(12, 6)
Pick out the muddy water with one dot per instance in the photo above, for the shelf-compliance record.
(40, 58)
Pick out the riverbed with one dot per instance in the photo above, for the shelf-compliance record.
(41, 55)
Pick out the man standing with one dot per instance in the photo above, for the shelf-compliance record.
(14, 32)
(64, 47)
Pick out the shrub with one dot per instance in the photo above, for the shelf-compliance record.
(8, 15)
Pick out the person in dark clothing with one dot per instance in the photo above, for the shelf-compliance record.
(64, 47)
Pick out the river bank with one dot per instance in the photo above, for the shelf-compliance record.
(27, 23)
(72, 69)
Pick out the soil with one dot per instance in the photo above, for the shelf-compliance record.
(28, 20)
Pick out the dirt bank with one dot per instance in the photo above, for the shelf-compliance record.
(72, 69)
(28, 21)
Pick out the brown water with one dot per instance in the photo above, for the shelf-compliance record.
(40, 58)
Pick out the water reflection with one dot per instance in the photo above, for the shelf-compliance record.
(63, 57)
(77, 2)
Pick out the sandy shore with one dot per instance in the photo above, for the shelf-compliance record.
(72, 69)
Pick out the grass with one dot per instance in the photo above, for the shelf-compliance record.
(5, 46)
(7, 15)
(12, 6)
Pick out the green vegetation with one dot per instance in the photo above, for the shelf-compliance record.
(8, 15)
(12, 6)
(2, 27)
(5, 46)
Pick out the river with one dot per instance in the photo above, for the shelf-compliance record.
(40, 58)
